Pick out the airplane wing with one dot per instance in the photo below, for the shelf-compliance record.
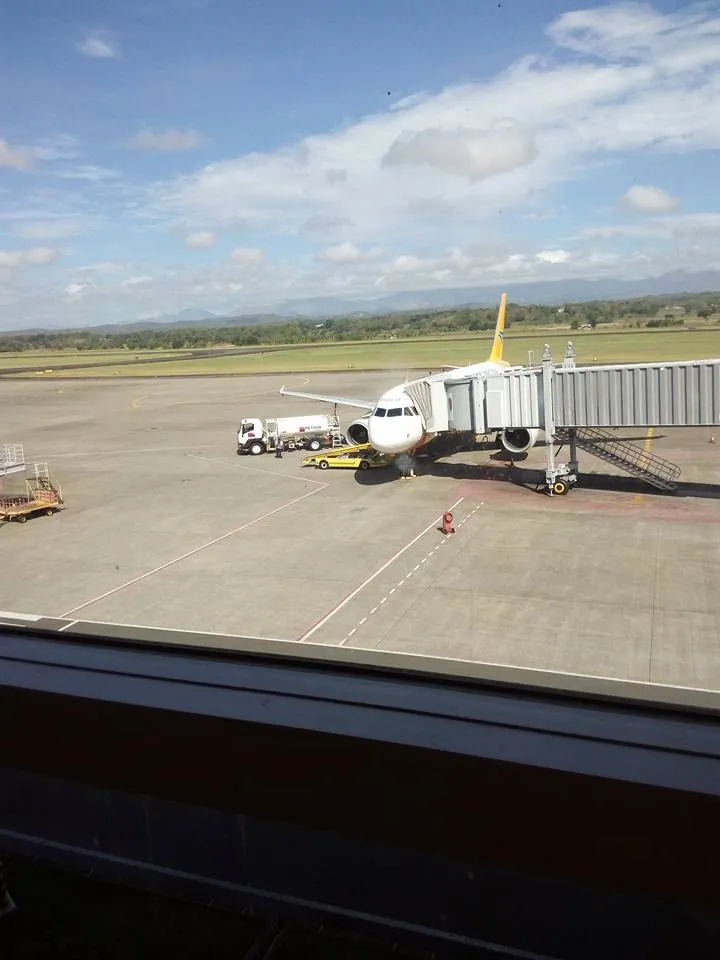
(363, 404)
(447, 366)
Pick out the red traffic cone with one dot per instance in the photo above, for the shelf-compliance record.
(447, 523)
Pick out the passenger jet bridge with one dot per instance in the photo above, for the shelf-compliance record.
(578, 406)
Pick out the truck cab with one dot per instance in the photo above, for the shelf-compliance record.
(251, 437)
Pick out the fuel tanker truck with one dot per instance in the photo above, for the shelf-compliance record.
(309, 432)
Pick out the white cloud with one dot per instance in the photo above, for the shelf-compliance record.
(635, 31)
(45, 215)
(109, 267)
(62, 146)
(638, 230)
(407, 263)
(679, 228)
(324, 226)
(458, 157)
(76, 289)
(16, 158)
(340, 253)
(54, 229)
(649, 199)
(39, 255)
(87, 171)
(554, 256)
(202, 238)
(134, 281)
(167, 140)
(247, 255)
(474, 154)
(97, 45)
(33, 256)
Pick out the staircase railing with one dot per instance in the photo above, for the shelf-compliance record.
(623, 454)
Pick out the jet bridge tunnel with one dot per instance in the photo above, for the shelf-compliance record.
(578, 406)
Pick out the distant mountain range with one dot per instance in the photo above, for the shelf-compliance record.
(194, 317)
(540, 292)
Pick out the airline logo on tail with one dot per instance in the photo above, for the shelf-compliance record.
(498, 340)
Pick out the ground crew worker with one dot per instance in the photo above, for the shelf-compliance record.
(278, 451)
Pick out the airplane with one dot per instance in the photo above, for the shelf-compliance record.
(395, 425)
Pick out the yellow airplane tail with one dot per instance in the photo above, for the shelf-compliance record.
(496, 354)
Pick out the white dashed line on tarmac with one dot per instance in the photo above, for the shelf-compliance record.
(405, 579)
(368, 580)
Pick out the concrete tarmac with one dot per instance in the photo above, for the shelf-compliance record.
(166, 526)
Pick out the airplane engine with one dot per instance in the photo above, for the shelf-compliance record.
(357, 432)
(517, 441)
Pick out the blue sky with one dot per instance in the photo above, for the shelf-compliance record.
(160, 154)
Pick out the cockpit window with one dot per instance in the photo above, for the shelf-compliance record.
(415, 411)
(407, 412)
(395, 412)
(379, 412)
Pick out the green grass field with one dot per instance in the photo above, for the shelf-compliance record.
(591, 347)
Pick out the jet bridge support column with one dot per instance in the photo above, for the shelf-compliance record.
(573, 465)
(569, 364)
(558, 476)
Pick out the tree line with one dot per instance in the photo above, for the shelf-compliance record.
(640, 312)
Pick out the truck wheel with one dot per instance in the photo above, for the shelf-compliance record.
(323, 464)
(257, 448)
(560, 488)
(364, 465)
(314, 445)
(21, 518)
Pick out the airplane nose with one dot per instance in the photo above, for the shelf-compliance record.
(388, 437)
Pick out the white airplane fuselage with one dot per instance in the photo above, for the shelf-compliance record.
(397, 426)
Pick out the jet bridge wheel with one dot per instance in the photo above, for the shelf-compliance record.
(560, 488)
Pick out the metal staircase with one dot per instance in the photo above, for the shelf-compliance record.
(623, 454)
